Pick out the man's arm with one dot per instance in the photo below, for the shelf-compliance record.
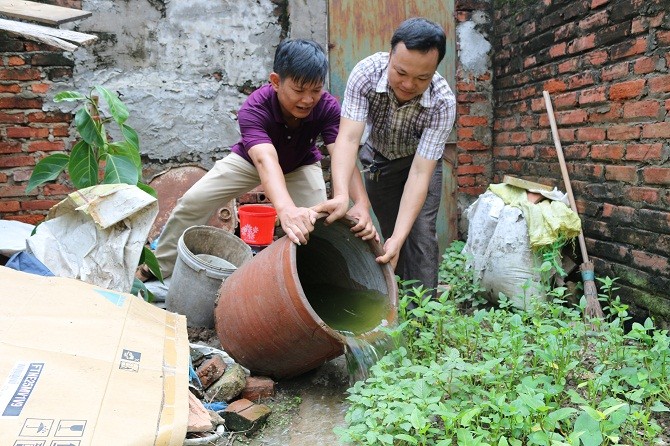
(413, 197)
(296, 222)
(360, 211)
(342, 165)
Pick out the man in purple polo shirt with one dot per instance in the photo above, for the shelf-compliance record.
(279, 125)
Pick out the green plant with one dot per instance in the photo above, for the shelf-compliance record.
(96, 158)
(501, 376)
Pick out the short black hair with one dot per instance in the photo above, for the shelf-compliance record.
(302, 60)
(421, 34)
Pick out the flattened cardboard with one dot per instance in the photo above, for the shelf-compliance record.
(82, 365)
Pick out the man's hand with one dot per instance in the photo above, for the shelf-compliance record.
(365, 229)
(391, 252)
(336, 207)
(297, 223)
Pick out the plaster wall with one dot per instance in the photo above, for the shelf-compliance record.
(184, 67)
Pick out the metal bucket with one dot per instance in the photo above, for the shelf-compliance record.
(263, 318)
(205, 257)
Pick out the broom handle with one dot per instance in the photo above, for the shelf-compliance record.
(564, 169)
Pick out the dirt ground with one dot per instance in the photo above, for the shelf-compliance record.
(305, 409)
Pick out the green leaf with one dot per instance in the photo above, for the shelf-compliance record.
(131, 136)
(47, 169)
(125, 149)
(148, 189)
(149, 258)
(88, 129)
(69, 96)
(409, 439)
(117, 109)
(140, 287)
(591, 435)
(83, 166)
(120, 169)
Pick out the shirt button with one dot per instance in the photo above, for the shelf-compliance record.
(288, 137)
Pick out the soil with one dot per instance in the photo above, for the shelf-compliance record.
(305, 409)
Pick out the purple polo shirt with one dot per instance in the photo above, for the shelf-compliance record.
(261, 121)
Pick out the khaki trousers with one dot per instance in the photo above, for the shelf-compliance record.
(230, 177)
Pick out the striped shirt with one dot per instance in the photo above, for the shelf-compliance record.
(421, 125)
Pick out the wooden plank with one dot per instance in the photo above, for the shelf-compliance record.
(39, 33)
(40, 12)
(525, 184)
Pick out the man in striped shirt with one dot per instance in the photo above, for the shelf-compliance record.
(408, 110)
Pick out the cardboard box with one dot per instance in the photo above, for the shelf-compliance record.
(82, 365)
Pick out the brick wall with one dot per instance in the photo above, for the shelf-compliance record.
(27, 133)
(474, 98)
(605, 64)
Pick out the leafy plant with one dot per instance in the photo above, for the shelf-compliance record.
(502, 376)
(96, 158)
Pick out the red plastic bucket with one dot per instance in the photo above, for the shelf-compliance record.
(257, 223)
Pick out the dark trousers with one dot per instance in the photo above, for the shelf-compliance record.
(419, 257)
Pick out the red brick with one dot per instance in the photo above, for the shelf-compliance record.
(243, 415)
(49, 117)
(14, 191)
(611, 115)
(607, 152)
(641, 109)
(597, 19)
(27, 132)
(539, 136)
(40, 88)
(580, 80)
(3, 178)
(653, 262)
(18, 102)
(598, 3)
(472, 145)
(568, 66)
(639, 25)
(464, 181)
(55, 190)
(470, 170)
(465, 132)
(582, 44)
(621, 173)
(527, 152)
(20, 74)
(60, 130)
(10, 147)
(17, 161)
(572, 152)
(557, 50)
(616, 71)
(663, 37)
(644, 65)
(565, 100)
(466, 86)
(571, 117)
(10, 88)
(14, 118)
(211, 370)
(257, 388)
(505, 152)
(592, 95)
(590, 134)
(15, 61)
(597, 58)
(46, 146)
(626, 90)
(627, 48)
(659, 84)
(647, 195)
(554, 85)
(38, 205)
(620, 132)
(31, 219)
(529, 62)
(657, 130)
(9, 206)
(19, 175)
(473, 121)
(644, 152)
(656, 175)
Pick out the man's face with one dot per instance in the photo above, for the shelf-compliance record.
(296, 100)
(410, 72)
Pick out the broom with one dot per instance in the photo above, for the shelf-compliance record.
(592, 309)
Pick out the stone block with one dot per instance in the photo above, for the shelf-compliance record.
(244, 416)
(258, 387)
(228, 386)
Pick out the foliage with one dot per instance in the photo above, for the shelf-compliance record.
(95, 158)
(500, 376)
